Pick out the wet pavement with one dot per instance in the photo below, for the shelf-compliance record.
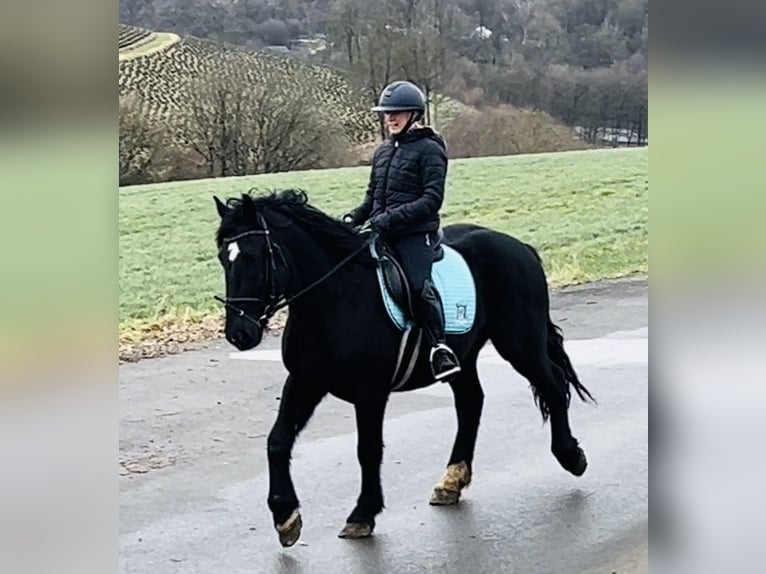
(194, 477)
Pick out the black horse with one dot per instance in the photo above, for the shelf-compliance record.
(278, 250)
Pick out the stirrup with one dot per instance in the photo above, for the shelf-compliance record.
(449, 372)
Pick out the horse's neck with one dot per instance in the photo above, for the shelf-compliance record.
(332, 319)
(311, 261)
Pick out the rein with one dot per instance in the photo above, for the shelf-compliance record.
(277, 302)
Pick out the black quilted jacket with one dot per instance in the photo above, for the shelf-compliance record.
(407, 183)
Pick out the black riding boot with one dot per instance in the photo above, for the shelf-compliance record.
(444, 363)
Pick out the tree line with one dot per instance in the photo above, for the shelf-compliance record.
(584, 62)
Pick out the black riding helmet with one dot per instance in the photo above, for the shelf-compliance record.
(402, 96)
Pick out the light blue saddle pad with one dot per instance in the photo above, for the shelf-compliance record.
(453, 280)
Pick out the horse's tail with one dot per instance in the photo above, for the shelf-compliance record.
(558, 355)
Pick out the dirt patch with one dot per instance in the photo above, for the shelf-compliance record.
(146, 463)
(169, 337)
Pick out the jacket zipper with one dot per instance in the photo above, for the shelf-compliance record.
(385, 179)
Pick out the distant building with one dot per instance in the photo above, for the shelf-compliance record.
(482, 33)
(277, 49)
(614, 137)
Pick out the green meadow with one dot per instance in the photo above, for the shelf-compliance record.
(586, 212)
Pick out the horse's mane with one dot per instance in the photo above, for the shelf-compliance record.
(293, 204)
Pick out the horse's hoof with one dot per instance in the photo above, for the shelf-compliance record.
(579, 467)
(355, 530)
(455, 479)
(443, 497)
(290, 530)
(574, 462)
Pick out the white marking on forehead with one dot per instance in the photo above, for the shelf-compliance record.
(233, 250)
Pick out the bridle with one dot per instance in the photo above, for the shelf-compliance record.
(273, 303)
(276, 301)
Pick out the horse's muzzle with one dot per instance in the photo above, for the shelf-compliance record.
(244, 339)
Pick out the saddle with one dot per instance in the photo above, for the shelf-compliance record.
(393, 274)
(452, 279)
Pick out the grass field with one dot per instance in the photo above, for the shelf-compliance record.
(586, 212)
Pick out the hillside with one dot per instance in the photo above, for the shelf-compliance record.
(161, 70)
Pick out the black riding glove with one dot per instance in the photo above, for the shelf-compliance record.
(380, 223)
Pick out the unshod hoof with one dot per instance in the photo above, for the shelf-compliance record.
(573, 460)
(355, 530)
(579, 467)
(442, 497)
(455, 479)
(290, 530)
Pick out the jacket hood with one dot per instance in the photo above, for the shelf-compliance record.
(420, 133)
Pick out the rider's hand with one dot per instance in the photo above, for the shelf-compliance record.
(380, 222)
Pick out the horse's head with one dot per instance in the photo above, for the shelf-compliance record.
(255, 270)
(256, 240)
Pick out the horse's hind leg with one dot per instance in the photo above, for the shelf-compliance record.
(527, 351)
(469, 400)
(551, 384)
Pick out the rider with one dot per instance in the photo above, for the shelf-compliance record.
(402, 203)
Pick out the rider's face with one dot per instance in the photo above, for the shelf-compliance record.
(395, 121)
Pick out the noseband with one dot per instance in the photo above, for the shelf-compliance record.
(275, 301)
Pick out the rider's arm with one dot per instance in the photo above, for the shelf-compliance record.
(362, 212)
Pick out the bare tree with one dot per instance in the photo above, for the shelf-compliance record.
(139, 142)
(286, 131)
(505, 130)
(245, 129)
(215, 128)
(392, 39)
(425, 60)
(523, 12)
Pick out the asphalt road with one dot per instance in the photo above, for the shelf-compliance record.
(194, 478)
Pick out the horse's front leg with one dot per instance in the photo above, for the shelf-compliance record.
(296, 407)
(369, 424)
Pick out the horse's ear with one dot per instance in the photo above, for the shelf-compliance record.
(222, 209)
(248, 207)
